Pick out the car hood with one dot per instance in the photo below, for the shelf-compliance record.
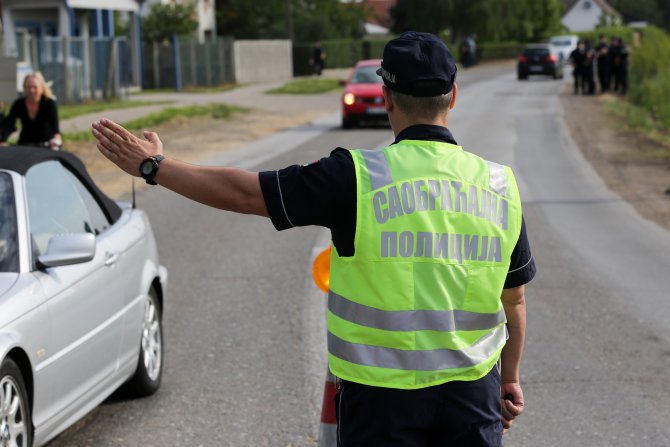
(7, 280)
(365, 89)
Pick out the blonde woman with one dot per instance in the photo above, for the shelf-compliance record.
(38, 112)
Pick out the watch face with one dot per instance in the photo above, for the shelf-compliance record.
(146, 167)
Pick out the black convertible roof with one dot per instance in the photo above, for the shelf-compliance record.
(21, 158)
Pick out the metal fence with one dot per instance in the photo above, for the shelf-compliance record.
(82, 68)
(78, 68)
(187, 63)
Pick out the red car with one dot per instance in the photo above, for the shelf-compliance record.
(362, 99)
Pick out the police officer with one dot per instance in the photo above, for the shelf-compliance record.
(578, 59)
(318, 59)
(603, 64)
(620, 62)
(430, 258)
(588, 81)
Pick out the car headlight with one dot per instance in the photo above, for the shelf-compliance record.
(349, 99)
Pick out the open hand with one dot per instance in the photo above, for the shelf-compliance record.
(122, 147)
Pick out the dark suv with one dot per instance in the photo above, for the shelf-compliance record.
(539, 59)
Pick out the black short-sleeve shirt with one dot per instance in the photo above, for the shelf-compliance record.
(324, 193)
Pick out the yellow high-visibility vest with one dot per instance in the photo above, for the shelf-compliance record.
(418, 304)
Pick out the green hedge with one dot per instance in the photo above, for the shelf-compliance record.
(343, 53)
(626, 33)
(498, 50)
(649, 83)
(340, 53)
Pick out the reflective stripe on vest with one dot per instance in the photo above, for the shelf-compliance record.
(412, 320)
(378, 169)
(428, 360)
(380, 174)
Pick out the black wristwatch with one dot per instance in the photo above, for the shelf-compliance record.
(149, 168)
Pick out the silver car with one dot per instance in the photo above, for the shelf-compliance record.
(81, 296)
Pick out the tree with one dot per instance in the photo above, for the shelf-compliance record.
(163, 21)
(311, 19)
(121, 25)
(252, 20)
(328, 19)
(491, 20)
(633, 10)
(421, 15)
(664, 6)
(544, 19)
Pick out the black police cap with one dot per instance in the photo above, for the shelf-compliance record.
(418, 64)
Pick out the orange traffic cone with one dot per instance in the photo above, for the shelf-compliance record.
(328, 427)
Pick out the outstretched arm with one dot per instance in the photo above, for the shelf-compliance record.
(225, 188)
(514, 303)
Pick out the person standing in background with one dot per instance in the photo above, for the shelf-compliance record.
(577, 59)
(588, 81)
(615, 61)
(603, 64)
(318, 59)
(38, 112)
(472, 47)
(621, 67)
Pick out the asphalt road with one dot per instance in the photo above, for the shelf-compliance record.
(244, 330)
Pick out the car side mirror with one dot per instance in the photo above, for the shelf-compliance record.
(67, 249)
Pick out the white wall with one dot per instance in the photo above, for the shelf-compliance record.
(263, 60)
(117, 5)
(206, 18)
(8, 33)
(7, 80)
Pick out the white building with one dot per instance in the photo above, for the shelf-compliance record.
(61, 18)
(39, 19)
(585, 15)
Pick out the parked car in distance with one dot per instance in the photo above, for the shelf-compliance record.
(362, 99)
(563, 45)
(539, 59)
(81, 296)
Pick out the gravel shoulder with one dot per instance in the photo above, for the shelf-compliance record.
(631, 165)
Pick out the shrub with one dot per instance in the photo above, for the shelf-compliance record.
(649, 82)
(340, 53)
(498, 50)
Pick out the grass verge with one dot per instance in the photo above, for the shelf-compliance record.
(66, 111)
(217, 111)
(190, 89)
(306, 86)
(639, 120)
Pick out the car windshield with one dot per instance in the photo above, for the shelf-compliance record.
(536, 51)
(366, 75)
(561, 43)
(9, 253)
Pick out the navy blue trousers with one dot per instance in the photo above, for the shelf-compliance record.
(454, 414)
